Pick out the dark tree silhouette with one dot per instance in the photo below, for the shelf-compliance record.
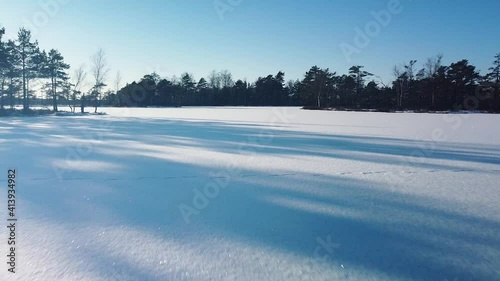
(24, 52)
(56, 71)
(433, 86)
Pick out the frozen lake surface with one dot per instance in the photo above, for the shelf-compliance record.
(253, 194)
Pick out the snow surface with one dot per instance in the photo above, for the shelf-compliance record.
(286, 194)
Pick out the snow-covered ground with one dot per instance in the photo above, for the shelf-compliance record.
(253, 194)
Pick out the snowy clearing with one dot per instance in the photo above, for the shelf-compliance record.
(253, 194)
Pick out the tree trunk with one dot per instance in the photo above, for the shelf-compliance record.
(54, 94)
(96, 100)
(74, 103)
(82, 107)
(11, 94)
(2, 97)
(54, 102)
(27, 93)
(25, 103)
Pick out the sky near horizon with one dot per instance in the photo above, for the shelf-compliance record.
(259, 37)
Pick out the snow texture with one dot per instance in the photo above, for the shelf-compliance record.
(253, 194)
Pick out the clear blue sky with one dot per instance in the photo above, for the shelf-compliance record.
(258, 37)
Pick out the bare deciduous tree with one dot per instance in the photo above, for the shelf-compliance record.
(79, 82)
(118, 85)
(214, 80)
(118, 81)
(431, 68)
(399, 75)
(226, 78)
(432, 65)
(99, 68)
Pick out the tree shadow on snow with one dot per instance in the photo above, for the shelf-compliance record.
(401, 235)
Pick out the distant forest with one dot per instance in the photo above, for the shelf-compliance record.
(428, 86)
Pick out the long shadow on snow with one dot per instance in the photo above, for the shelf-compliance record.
(225, 137)
(426, 241)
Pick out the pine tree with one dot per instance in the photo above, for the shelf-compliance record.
(316, 85)
(56, 70)
(494, 75)
(202, 90)
(188, 86)
(359, 76)
(25, 51)
(4, 68)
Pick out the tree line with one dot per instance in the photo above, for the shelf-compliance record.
(30, 75)
(431, 86)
